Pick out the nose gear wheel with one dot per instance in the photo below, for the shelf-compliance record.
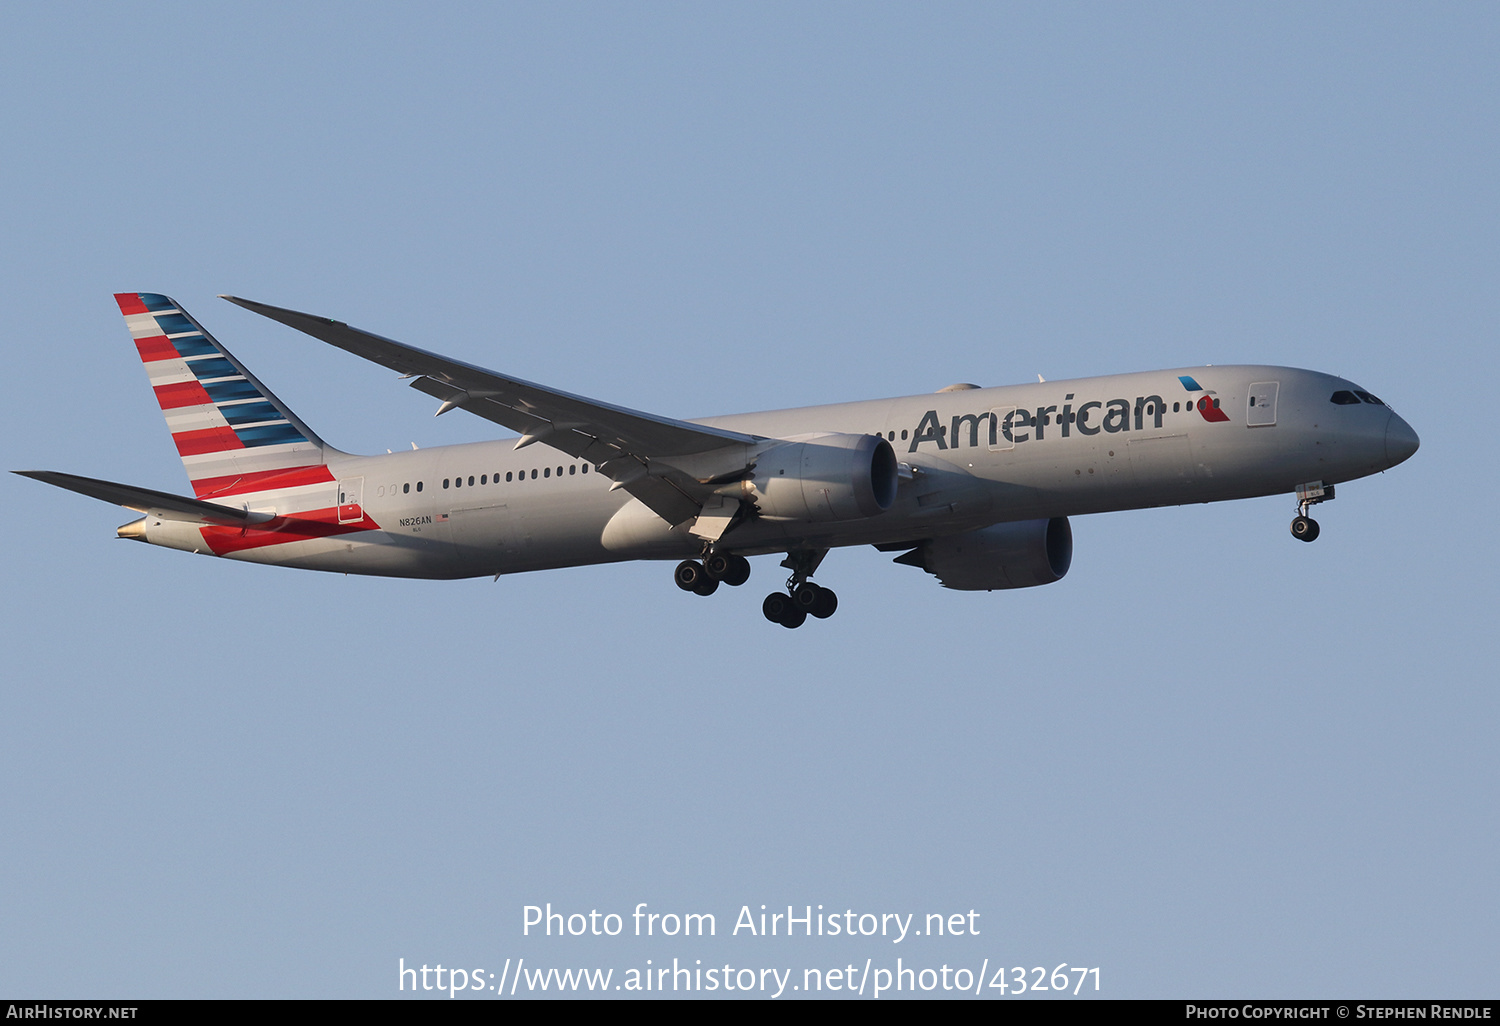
(1304, 527)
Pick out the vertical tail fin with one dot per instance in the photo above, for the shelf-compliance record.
(233, 435)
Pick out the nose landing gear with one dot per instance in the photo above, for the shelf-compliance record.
(1304, 527)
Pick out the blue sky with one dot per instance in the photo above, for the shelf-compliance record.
(1211, 761)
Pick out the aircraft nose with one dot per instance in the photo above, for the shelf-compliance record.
(1400, 440)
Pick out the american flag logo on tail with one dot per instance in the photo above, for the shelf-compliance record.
(240, 445)
(233, 435)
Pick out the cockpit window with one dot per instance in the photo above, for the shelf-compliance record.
(1372, 400)
(1343, 397)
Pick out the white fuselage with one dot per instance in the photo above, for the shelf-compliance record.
(971, 457)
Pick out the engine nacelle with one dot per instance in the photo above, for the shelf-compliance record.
(1017, 555)
(824, 478)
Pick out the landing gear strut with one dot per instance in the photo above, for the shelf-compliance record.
(803, 598)
(1304, 527)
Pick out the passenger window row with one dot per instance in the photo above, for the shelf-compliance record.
(484, 479)
(516, 475)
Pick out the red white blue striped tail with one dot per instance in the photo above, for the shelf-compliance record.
(234, 436)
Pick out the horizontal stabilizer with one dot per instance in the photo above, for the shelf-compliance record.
(162, 505)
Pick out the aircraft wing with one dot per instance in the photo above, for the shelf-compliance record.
(162, 505)
(634, 449)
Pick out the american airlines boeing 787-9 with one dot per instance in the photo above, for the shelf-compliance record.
(973, 485)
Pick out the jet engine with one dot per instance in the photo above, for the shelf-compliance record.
(824, 478)
(1016, 555)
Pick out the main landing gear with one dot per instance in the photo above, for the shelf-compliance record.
(791, 608)
(803, 598)
(1304, 527)
(704, 578)
(800, 602)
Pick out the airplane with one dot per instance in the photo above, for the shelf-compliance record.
(973, 485)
